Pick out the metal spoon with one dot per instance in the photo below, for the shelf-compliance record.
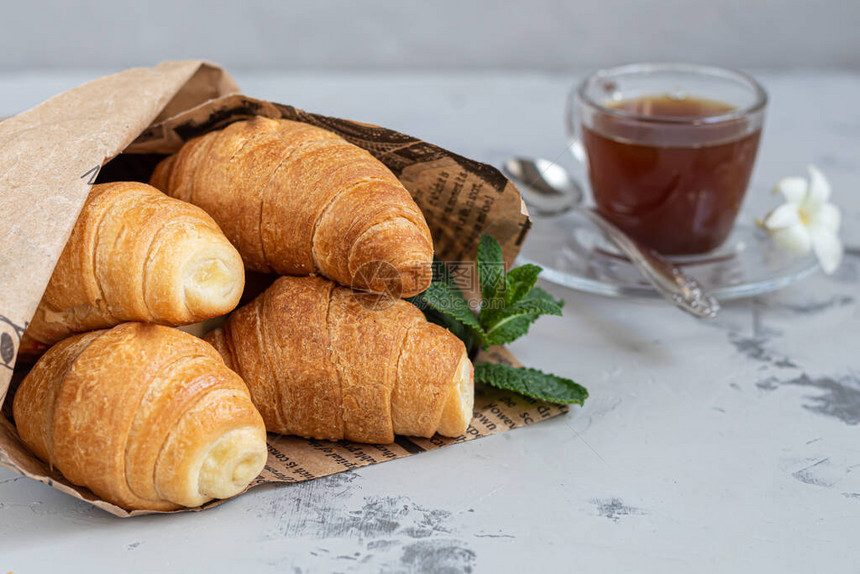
(548, 189)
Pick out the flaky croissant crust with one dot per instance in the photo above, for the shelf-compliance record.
(145, 416)
(325, 362)
(296, 199)
(136, 254)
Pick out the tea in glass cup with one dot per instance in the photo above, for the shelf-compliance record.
(669, 150)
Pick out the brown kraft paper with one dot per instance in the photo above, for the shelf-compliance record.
(51, 154)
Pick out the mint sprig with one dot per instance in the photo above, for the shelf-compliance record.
(531, 383)
(510, 303)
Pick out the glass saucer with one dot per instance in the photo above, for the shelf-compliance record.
(575, 254)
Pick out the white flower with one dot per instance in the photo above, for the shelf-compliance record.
(807, 221)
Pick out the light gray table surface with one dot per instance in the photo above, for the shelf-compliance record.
(710, 446)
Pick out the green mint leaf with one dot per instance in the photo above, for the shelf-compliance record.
(519, 281)
(491, 273)
(441, 319)
(458, 329)
(531, 383)
(509, 331)
(527, 307)
(513, 322)
(448, 300)
(538, 294)
(444, 304)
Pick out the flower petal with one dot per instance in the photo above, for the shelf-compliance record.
(826, 217)
(793, 189)
(783, 216)
(819, 187)
(828, 249)
(794, 239)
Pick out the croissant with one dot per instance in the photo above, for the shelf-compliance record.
(326, 362)
(145, 416)
(296, 199)
(136, 254)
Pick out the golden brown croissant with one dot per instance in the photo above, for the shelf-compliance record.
(326, 362)
(145, 416)
(136, 254)
(296, 199)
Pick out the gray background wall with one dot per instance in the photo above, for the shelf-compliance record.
(339, 34)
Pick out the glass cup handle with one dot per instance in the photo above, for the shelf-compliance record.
(577, 150)
(574, 129)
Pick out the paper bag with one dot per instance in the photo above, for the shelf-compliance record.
(50, 155)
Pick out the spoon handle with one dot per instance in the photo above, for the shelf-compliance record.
(675, 286)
